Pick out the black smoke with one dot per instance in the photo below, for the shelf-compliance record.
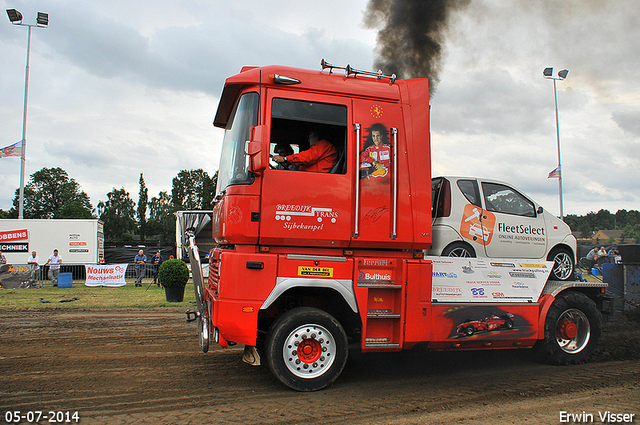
(410, 35)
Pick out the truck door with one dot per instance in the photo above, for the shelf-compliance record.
(376, 127)
(305, 207)
(519, 231)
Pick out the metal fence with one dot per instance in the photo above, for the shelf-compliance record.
(40, 276)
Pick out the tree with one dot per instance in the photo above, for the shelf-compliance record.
(118, 215)
(192, 190)
(142, 208)
(50, 193)
(161, 219)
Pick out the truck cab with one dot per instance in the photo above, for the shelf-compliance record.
(312, 260)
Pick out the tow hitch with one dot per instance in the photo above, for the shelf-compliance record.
(192, 316)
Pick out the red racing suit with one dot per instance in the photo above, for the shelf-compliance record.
(320, 157)
(380, 155)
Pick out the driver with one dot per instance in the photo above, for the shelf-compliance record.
(320, 157)
(284, 150)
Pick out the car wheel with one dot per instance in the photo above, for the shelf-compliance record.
(572, 330)
(469, 330)
(306, 349)
(458, 249)
(563, 265)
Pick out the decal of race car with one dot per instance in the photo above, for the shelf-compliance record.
(488, 324)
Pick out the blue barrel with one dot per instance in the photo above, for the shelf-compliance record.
(65, 280)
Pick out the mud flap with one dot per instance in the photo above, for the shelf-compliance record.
(250, 356)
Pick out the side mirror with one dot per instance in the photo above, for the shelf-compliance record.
(259, 156)
(540, 210)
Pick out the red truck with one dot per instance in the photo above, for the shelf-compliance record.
(311, 263)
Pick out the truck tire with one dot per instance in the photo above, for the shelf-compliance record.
(458, 249)
(306, 349)
(572, 330)
(563, 264)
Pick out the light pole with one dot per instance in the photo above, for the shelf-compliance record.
(548, 74)
(42, 21)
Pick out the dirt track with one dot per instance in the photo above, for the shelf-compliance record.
(145, 366)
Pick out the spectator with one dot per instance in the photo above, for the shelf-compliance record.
(140, 260)
(3, 259)
(156, 260)
(592, 257)
(34, 264)
(55, 260)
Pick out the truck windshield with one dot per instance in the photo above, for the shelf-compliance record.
(234, 161)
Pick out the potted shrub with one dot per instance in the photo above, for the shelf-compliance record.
(173, 275)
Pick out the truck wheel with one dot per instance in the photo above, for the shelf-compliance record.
(563, 266)
(306, 349)
(572, 330)
(458, 249)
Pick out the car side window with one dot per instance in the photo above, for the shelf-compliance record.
(504, 199)
(469, 189)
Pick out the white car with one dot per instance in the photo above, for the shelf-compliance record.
(487, 218)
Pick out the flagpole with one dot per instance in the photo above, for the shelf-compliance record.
(555, 94)
(548, 74)
(23, 156)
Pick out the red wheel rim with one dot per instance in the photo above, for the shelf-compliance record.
(567, 329)
(309, 350)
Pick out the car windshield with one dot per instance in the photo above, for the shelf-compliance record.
(234, 161)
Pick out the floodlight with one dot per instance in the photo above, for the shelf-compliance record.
(43, 19)
(14, 16)
(563, 74)
(548, 72)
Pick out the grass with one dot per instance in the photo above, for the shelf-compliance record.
(128, 296)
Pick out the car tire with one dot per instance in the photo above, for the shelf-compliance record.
(459, 249)
(563, 264)
(572, 330)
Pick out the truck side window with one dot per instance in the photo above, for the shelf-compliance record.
(469, 189)
(292, 120)
(504, 199)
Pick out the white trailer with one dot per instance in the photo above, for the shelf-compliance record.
(77, 241)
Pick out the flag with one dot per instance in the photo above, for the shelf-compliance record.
(554, 174)
(12, 150)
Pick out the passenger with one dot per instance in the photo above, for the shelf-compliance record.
(285, 150)
(320, 157)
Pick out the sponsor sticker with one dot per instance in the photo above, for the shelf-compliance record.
(532, 265)
(315, 271)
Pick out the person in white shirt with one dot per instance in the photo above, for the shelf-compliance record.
(55, 261)
(34, 264)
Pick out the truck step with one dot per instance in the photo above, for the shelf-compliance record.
(379, 343)
(382, 314)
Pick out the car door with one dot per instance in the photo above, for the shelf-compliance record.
(518, 231)
(474, 221)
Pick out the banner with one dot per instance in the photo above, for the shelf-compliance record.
(105, 275)
(12, 150)
(18, 276)
(488, 280)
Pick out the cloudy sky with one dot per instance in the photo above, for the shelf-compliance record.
(120, 88)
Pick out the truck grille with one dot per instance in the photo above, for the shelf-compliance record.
(214, 274)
